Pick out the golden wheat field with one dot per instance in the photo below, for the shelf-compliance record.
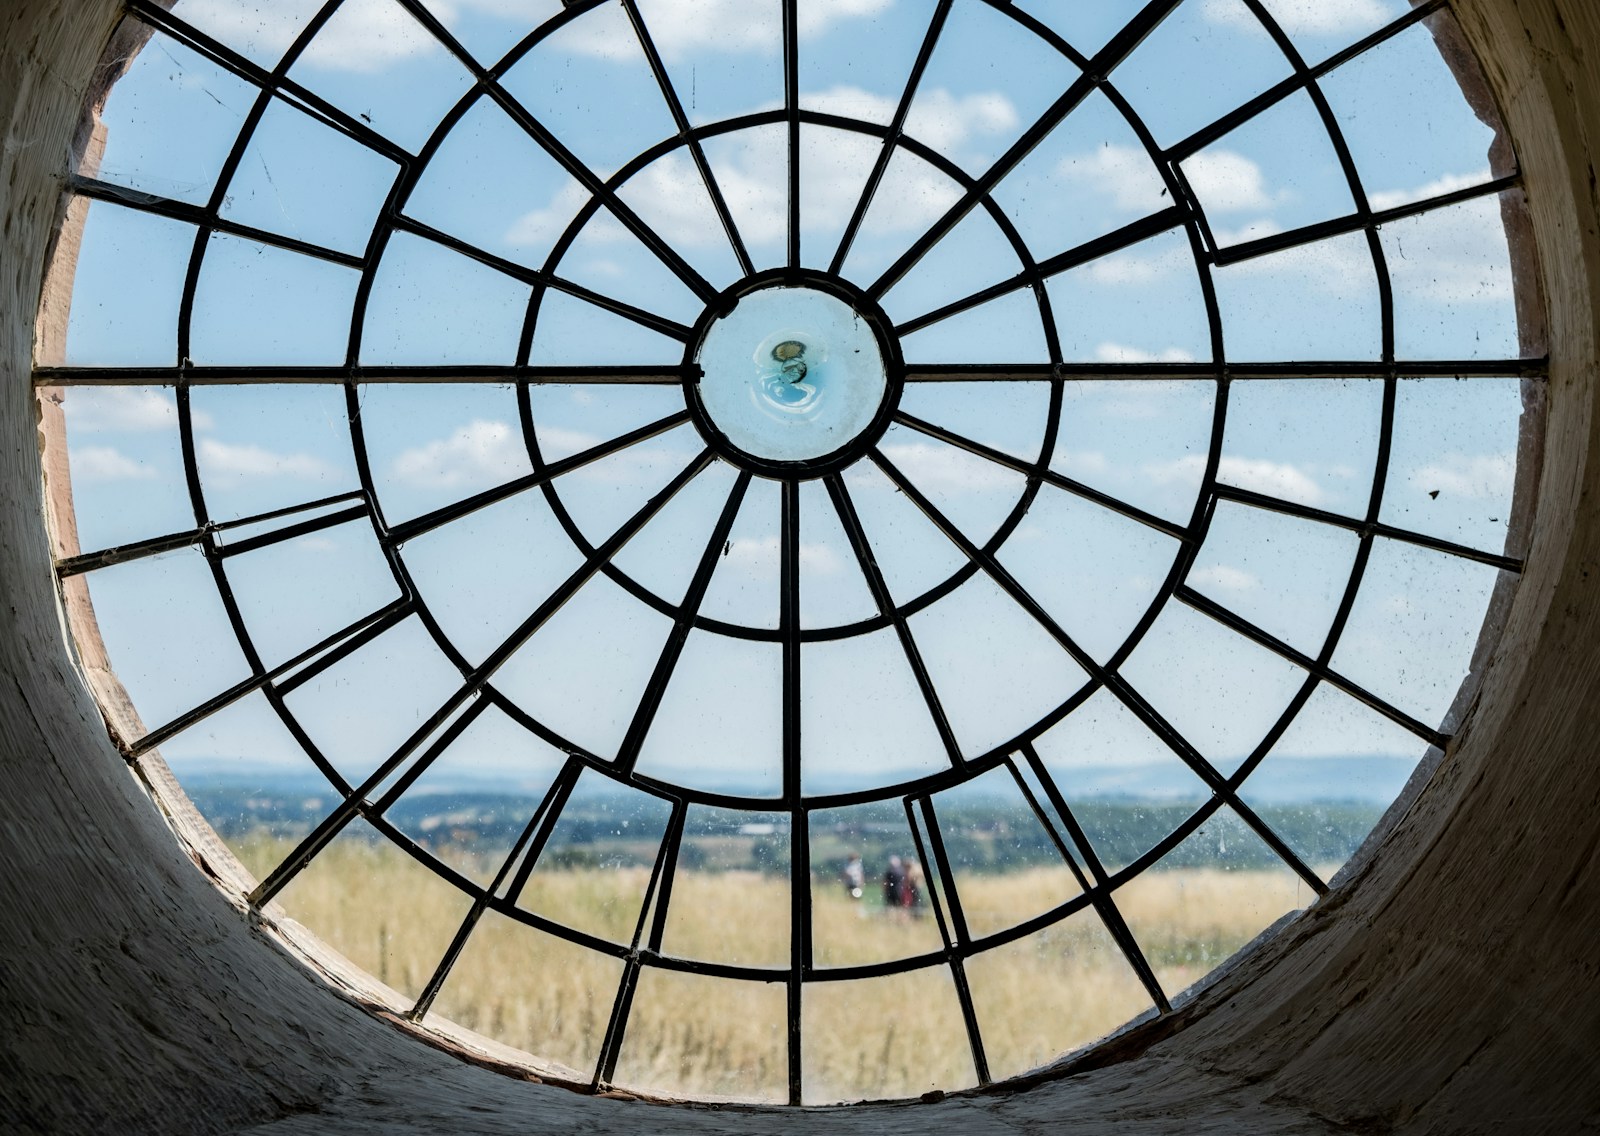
(688, 1034)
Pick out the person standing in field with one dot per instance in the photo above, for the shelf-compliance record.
(911, 889)
(854, 876)
(894, 880)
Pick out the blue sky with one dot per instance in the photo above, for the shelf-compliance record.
(171, 121)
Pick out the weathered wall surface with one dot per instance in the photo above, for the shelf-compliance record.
(1452, 986)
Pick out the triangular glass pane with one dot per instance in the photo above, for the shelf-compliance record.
(833, 589)
(1010, 417)
(594, 869)
(863, 720)
(855, 58)
(605, 107)
(258, 32)
(834, 168)
(970, 257)
(752, 169)
(723, 59)
(606, 258)
(1285, 575)
(911, 197)
(974, 493)
(1144, 443)
(988, 80)
(730, 894)
(1219, 690)
(997, 670)
(568, 419)
(744, 588)
(1208, 897)
(719, 728)
(1141, 305)
(1007, 330)
(573, 332)
(492, 185)
(430, 305)
(519, 556)
(1095, 571)
(1126, 790)
(375, 62)
(582, 673)
(876, 927)
(1005, 865)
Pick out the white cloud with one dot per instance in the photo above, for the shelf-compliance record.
(1277, 479)
(945, 121)
(1456, 255)
(1449, 183)
(479, 452)
(102, 410)
(1124, 173)
(1121, 353)
(1224, 579)
(1461, 475)
(1306, 17)
(103, 463)
(936, 468)
(670, 195)
(246, 462)
(1128, 269)
(1227, 182)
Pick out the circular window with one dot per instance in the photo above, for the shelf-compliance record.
(784, 549)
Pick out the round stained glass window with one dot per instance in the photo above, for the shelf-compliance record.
(780, 549)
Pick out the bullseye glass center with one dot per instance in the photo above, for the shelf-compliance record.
(791, 374)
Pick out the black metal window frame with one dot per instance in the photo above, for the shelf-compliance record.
(371, 798)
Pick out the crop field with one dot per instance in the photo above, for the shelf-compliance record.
(903, 1035)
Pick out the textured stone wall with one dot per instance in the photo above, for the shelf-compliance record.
(1451, 985)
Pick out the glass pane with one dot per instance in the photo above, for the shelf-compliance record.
(689, 1034)
(882, 1038)
(849, 930)
(730, 893)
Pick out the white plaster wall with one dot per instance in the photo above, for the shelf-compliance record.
(1451, 986)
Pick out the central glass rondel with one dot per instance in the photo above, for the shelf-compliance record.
(791, 374)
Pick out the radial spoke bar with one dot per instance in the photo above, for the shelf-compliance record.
(856, 534)
(1046, 475)
(154, 546)
(244, 376)
(154, 13)
(1112, 681)
(1116, 241)
(696, 150)
(475, 681)
(335, 647)
(1322, 516)
(1269, 98)
(1104, 905)
(655, 690)
(791, 106)
(1537, 368)
(536, 278)
(1338, 226)
(929, 40)
(98, 190)
(957, 939)
(1327, 674)
(490, 82)
(429, 521)
(1114, 52)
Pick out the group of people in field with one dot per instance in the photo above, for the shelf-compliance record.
(904, 884)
